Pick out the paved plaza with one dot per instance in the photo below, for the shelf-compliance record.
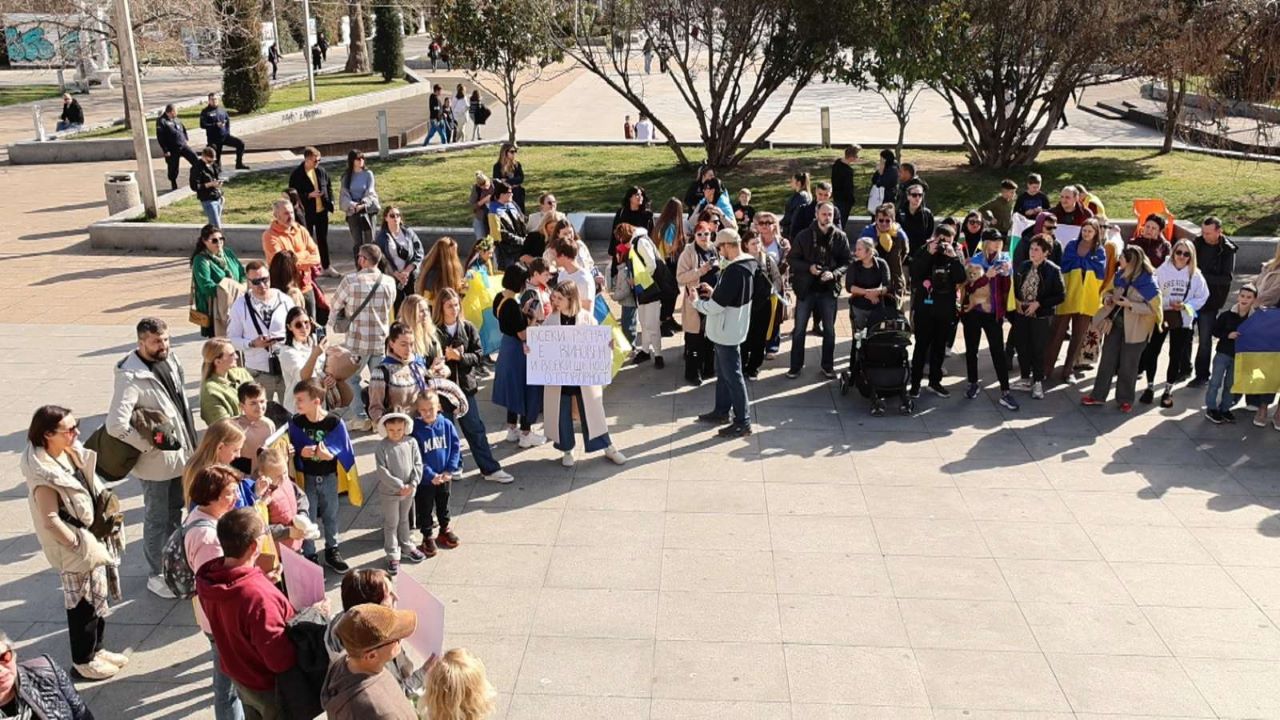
(966, 562)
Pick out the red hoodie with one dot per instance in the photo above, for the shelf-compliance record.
(247, 615)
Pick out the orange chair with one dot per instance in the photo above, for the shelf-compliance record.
(1145, 207)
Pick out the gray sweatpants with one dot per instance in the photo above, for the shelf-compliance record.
(395, 524)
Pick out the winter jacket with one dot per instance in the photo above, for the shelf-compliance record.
(830, 251)
(399, 464)
(797, 201)
(391, 248)
(1182, 286)
(299, 181)
(934, 280)
(728, 310)
(136, 386)
(349, 695)
(1218, 263)
(171, 134)
(39, 469)
(202, 173)
(918, 226)
(247, 616)
(45, 687)
(216, 124)
(439, 447)
(1082, 277)
(467, 340)
(1050, 292)
(805, 216)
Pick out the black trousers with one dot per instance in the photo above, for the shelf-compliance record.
(233, 142)
(318, 226)
(1179, 353)
(1033, 337)
(84, 628)
(174, 162)
(699, 356)
(426, 498)
(977, 324)
(931, 330)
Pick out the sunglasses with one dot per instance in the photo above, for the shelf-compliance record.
(259, 281)
(301, 324)
(216, 239)
(703, 234)
(915, 194)
(71, 430)
(1182, 253)
(974, 221)
(394, 215)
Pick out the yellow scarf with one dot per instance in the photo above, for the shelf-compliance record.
(887, 237)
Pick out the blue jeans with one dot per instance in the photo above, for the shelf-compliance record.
(212, 211)
(1204, 334)
(824, 304)
(480, 227)
(372, 362)
(322, 497)
(1218, 395)
(473, 430)
(567, 441)
(437, 126)
(226, 701)
(731, 386)
(161, 515)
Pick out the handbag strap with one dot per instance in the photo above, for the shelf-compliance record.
(366, 300)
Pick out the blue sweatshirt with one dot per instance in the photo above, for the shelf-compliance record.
(441, 451)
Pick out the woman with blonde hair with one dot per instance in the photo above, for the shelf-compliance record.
(442, 268)
(220, 445)
(1184, 291)
(416, 313)
(458, 688)
(221, 379)
(481, 194)
(1125, 323)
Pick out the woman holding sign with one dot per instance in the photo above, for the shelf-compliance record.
(511, 389)
(568, 310)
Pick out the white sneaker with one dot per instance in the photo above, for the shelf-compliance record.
(96, 669)
(500, 476)
(1022, 384)
(1037, 391)
(360, 424)
(615, 455)
(157, 586)
(116, 659)
(531, 439)
(513, 435)
(567, 459)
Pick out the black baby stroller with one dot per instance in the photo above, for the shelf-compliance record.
(881, 365)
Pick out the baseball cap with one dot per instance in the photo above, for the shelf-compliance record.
(728, 236)
(369, 626)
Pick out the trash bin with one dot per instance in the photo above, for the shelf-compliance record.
(122, 191)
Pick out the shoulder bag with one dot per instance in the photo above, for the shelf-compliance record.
(273, 360)
(198, 317)
(342, 321)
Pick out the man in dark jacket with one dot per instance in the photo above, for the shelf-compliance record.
(915, 219)
(819, 258)
(907, 179)
(217, 131)
(842, 193)
(37, 688)
(1070, 210)
(1216, 258)
(72, 117)
(727, 309)
(172, 136)
(805, 216)
(313, 186)
(936, 272)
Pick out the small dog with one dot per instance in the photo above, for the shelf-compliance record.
(978, 297)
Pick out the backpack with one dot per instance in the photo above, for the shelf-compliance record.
(174, 566)
(298, 688)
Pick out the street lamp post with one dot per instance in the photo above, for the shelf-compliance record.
(133, 103)
(306, 51)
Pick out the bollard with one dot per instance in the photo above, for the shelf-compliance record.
(36, 117)
(826, 126)
(384, 145)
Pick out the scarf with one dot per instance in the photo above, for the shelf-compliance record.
(887, 237)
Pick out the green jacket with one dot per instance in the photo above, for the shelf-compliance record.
(219, 397)
(206, 272)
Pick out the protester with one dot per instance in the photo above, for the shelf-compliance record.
(436, 442)
(915, 220)
(1268, 284)
(375, 586)
(1038, 290)
(766, 291)
(1031, 202)
(247, 615)
(801, 195)
(983, 306)
(970, 230)
(697, 265)
(399, 466)
(212, 262)
(1151, 240)
(217, 131)
(288, 521)
(1218, 398)
(302, 356)
(255, 424)
(366, 297)
(37, 688)
(727, 312)
(149, 378)
(285, 277)
(358, 199)
(884, 181)
(221, 378)
(171, 134)
(63, 493)
(936, 272)
(643, 260)
(1184, 291)
(319, 441)
(442, 268)
(257, 327)
(509, 170)
(1084, 267)
(312, 184)
(207, 186)
(457, 688)
(1125, 324)
(403, 373)
(1216, 259)
(805, 215)
(819, 259)
(285, 233)
(1000, 208)
(511, 389)
(72, 115)
(359, 685)
(870, 285)
(1070, 210)
(508, 225)
(635, 211)
(743, 212)
(715, 198)
(693, 195)
(402, 250)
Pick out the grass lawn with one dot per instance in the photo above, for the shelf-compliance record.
(433, 190)
(328, 87)
(19, 94)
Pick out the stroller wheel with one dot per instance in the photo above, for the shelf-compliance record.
(845, 380)
(908, 407)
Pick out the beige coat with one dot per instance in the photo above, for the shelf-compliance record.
(1139, 318)
(592, 396)
(688, 277)
(41, 470)
(1268, 284)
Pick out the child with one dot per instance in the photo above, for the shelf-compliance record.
(538, 282)
(624, 289)
(457, 688)
(441, 460)
(1000, 208)
(399, 472)
(287, 518)
(743, 213)
(256, 425)
(1218, 398)
(1030, 203)
(319, 438)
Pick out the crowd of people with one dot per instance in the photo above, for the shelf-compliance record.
(282, 401)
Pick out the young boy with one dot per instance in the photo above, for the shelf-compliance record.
(1001, 206)
(539, 279)
(399, 472)
(441, 460)
(1030, 203)
(743, 213)
(1218, 398)
(318, 438)
(256, 425)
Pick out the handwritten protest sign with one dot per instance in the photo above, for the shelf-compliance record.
(428, 639)
(303, 578)
(569, 355)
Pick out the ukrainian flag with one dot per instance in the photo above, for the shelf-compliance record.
(1257, 370)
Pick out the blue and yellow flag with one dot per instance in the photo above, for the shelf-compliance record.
(1257, 369)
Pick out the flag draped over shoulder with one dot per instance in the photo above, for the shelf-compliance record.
(621, 348)
(477, 308)
(1257, 369)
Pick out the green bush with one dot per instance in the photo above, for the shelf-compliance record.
(245, 79)
(388, 42)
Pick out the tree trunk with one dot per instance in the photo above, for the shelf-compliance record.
(357, 52)
(1172, 112)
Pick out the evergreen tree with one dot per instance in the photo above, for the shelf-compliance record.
(245, 84)
(388, 42)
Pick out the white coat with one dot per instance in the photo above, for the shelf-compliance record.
(592, 395)
(137, 387)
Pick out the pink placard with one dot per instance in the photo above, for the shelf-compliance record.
(303, 579)
(428, 639)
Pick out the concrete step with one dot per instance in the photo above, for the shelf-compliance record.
(1099, 110)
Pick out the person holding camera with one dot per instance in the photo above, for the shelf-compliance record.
(936, 272)
(256, 327)
(819, 258)
(403, 251)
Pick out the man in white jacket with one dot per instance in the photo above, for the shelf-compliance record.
(151, 378)
(256, 327)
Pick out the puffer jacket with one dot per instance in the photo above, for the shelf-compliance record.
(49, 692)
(137, 387)
(41, 470)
